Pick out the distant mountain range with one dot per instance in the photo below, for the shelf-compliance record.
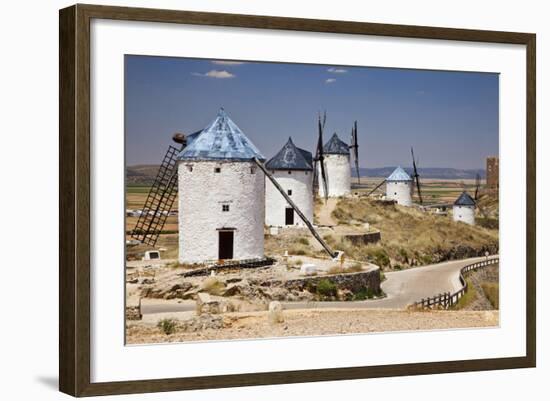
(427, 172)
(145, 174)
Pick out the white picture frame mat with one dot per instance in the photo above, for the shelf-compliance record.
(113, 361)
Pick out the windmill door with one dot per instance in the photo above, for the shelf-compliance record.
(289, 216)
(225, 245)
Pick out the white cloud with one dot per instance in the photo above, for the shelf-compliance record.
(215, 74)
(337, 70)
(224, 62)
(330, 80)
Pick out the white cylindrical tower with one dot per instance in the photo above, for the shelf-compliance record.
(399, 187)
(221, 196)
(464, 209)
(337, 168)
(293, 170)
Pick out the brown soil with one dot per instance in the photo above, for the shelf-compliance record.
(316, 322)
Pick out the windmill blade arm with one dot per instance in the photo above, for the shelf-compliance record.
(324, 178)
(296, 209)
(376, 187)
(418, 189)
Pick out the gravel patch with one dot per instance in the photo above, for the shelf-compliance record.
(316, 322)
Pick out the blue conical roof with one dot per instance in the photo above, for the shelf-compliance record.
(399, 175)
(336, 146)
(465, 200)
(222, 139)
(291, 157)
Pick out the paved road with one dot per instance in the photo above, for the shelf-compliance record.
(402, 288)
(405, 287)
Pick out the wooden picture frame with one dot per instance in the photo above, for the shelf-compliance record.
(74, 203)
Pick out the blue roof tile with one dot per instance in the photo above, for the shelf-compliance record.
(465, 200)
(222, 139)
(399, 175)
(336, 146)
(291, 157)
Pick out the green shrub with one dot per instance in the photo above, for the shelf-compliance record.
(168, 326)
(303, 241)
(364, 293)
(380, 257)
(327, 288)
(404, 255)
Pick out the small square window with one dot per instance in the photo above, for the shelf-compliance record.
(252, 170)
(289, 191)
(290, 172)
(217, 169)
(225, 208)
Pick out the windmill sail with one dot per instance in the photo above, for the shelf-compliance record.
(320, 158)
(376, 187)
(161, 197)
(355, 148)
(478, 181)
(416, 177)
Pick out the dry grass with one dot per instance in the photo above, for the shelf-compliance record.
(212, 285)
(468, 298)
(491, 291)
(409, 236)
(337, 269)
(166, 241)
(295, 242)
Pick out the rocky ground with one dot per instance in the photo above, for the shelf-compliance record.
(282, 282)
(249, 325)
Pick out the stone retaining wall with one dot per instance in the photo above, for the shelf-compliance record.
(363, 239)
(354, 282)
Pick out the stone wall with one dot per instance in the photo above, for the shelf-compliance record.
(363, 239)
(133, 313)
(353, 282)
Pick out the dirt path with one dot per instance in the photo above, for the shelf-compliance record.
(325, 212)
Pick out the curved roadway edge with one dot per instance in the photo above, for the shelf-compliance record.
(402, 288)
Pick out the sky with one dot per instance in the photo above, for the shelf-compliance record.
(450, 118)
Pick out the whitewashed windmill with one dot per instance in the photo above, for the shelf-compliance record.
(337, 168)
(464, 209)
(292, 167)
(221, 196)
